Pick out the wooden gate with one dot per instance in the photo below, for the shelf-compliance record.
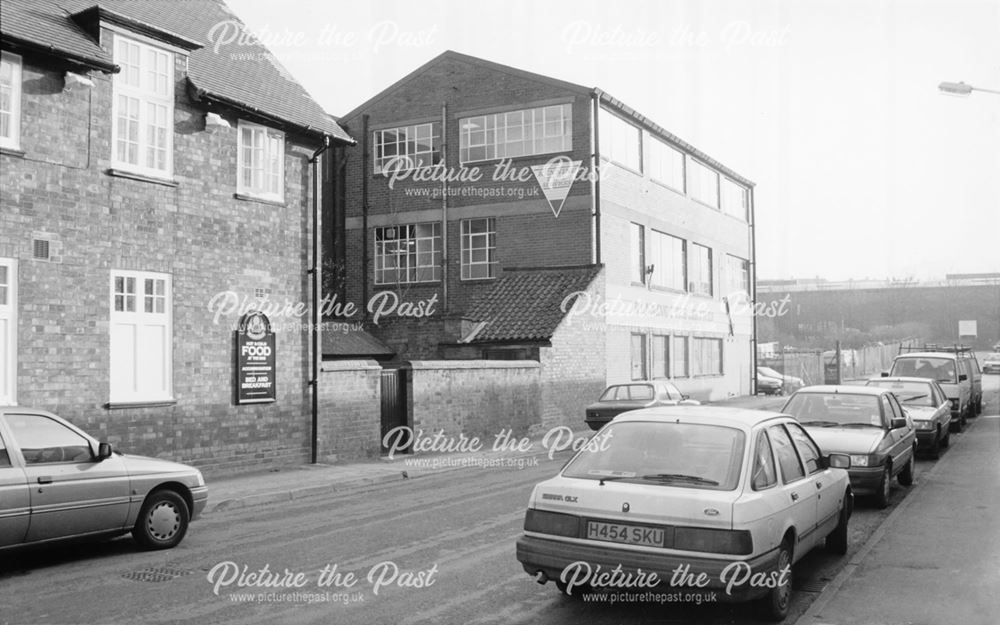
(394, 413)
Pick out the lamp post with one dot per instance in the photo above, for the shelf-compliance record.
(962, 89)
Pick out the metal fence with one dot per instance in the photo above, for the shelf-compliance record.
(855, 364)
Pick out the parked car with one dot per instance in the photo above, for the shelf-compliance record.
(925, 402)
(619, 398)
(991, 363)
(57, 482)
(947, 370)
(700, 486)
(769, 386)
(866, 423)
(790, 382)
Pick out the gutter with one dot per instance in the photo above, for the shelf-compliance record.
(48, 49)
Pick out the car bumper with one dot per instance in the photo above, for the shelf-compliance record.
(551, 557)
(925, 439)
(199, 496)
(865, 480)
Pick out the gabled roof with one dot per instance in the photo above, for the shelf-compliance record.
(607, 100)
(225, 63)
(354, 343)
(526, 304)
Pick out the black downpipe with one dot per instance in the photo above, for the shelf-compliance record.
(595, 162)
(753, 293)
(316, 271)
(364, 214)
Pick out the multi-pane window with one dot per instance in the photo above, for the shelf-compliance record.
(406, 147)
(734, 199)
(700, 270)
(479, 248)
(143, 108)
(141, 336)
(261, 162)
(737, 275)
(10, 100)
(667, 254)
(511, 134)
(706, 356)
(666, 164)
(620, 141)
(679, 364)
(638, 350)
(408, 253)
(637, 251)
(703, 183)
(661, 355)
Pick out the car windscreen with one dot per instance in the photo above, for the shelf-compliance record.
(686, 455)
(769, 372)
(628, 392)
(940, 369)
(835, 409)
(908, 393)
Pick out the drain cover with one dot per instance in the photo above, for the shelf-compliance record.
(155, 574)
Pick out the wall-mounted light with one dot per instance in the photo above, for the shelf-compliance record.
(214, 119)
(73, 79)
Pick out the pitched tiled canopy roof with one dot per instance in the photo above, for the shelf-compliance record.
(355, 343)
(231, 69)
(525, 304)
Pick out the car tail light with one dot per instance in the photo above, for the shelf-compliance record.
(551, 523)
(733, 542)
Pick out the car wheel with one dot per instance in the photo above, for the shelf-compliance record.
(163, 520)
(836, 541)
(935, 450)
(775, 604)
(946, 441)
(906, 475)
(884, 485)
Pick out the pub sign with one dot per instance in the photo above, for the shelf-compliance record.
(255, 360)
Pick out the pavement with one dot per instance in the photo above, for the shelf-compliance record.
(297, 482)
(936, 558)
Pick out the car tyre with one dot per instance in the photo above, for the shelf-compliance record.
(906, 475)
(935, 451)
(837, 540)
(775, 605)
(163, 520)
(884, 485)
(946, 441)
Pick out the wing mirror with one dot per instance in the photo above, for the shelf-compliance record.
(885, 374)
(838, 461)
(963, 378)
(895, 424)
(103, 451)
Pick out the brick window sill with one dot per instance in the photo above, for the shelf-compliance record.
(12, 152)
(125, 405)
(262, 200)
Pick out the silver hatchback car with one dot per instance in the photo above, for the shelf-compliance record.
(56, 482)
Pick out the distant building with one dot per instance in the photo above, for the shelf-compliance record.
(659, 243)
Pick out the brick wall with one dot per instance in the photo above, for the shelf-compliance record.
(349, 410)
(475, 397)
(195, 230)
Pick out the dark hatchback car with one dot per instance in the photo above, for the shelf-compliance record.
(619, 398)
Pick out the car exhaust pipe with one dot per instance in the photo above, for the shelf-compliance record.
(541, 577)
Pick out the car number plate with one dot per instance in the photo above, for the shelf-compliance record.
(627, 534)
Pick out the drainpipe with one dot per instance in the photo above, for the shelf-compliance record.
(595, 178)
(444, 208)
(316, 271)
(753, 292)
(364, 216)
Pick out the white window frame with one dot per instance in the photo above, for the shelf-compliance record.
(734, 198)
(541, 130)
(703, 356)
(657, 256)
(738, 275)
(479, 241)
(416, 153)
(695, 270)
(270, 169)
(703, 183)
(128, 384)
(151, 90)
(666, 165)
(616, 141)
(637, 253)
(638, 363)
(8, 334)
(680, 357)
(423, 245)
(13, 139)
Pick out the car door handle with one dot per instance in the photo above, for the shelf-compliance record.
(819, 485)
(44, 479)
(795, 496)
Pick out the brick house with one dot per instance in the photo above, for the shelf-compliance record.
(150, 159)
(489, 212)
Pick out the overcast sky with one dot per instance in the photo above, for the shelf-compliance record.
(863, 168)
